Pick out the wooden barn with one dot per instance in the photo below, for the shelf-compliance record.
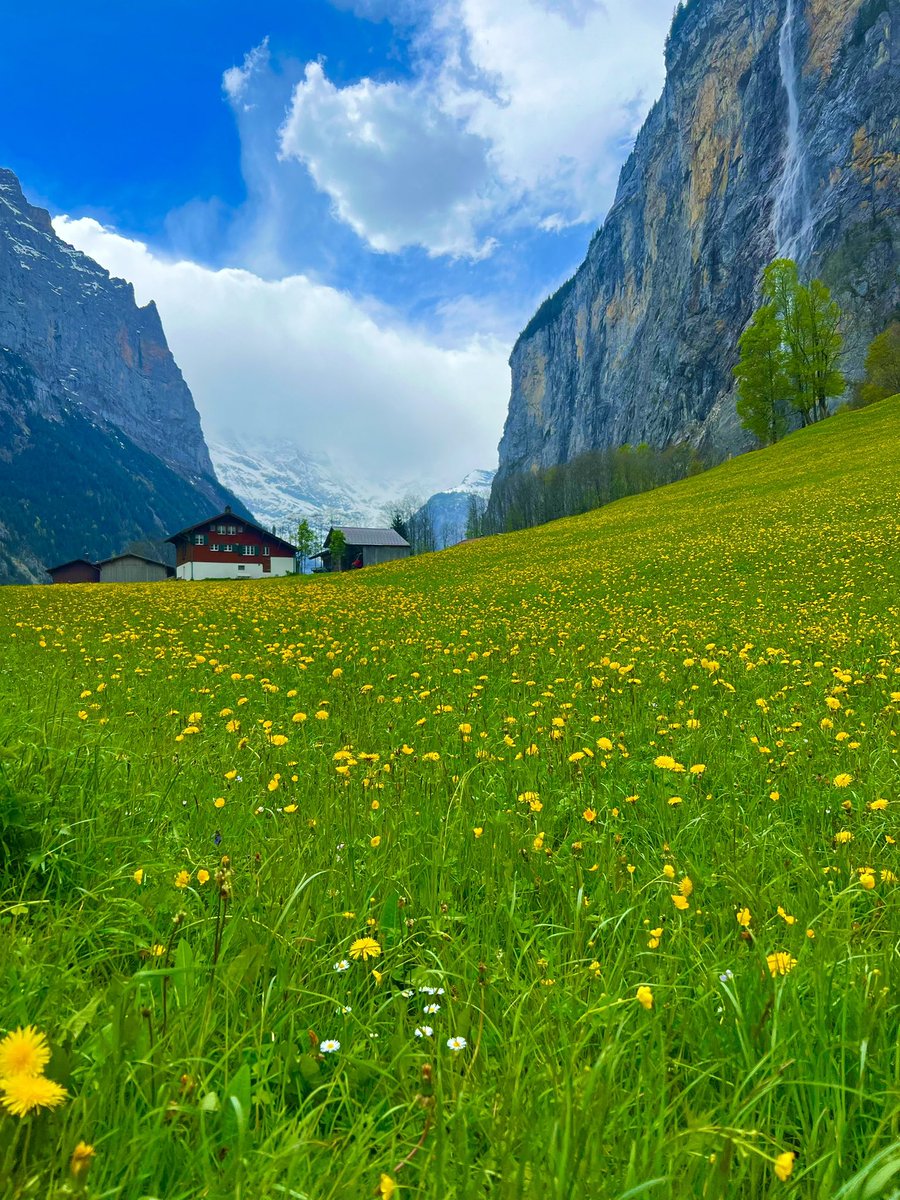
(79, 570)
(364, 548)
(230, 547)
(133, 568)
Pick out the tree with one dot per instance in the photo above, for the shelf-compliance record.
(338, 547)
(882, 378)
(821, 343)
(762, 377)
(306, 542)
(399, 522)
(809, 322)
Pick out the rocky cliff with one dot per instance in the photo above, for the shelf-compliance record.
(92, 406)
(776, 134)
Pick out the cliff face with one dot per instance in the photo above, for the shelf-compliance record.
(776, 133)
(87, 340)
(100, 442)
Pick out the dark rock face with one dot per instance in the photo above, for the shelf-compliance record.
(93, 407)
(776, 133)
(87, 340)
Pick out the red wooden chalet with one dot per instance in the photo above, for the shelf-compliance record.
(227, 546)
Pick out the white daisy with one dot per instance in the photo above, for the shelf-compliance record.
(329, 1046)
(343, 965)
(424, 1031)
(456, 1044)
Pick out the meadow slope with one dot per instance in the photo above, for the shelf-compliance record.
(559, 864)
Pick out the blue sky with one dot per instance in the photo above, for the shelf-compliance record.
(424, 171)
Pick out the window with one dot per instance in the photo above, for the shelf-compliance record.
(250, 551)
(265, 551)
(215, 546)
(241, 567)
(199, 539)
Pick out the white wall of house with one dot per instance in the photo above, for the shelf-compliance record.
(233, 570)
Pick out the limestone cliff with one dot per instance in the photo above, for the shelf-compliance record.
(776, 133)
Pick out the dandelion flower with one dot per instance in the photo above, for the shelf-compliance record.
(456, 1044)
(24, 1052)
(780, 962)
(82, 1157)
(329, 1046)
(23, 1094)
(843, 780)
(644, 997)
(784, 1164)
(365, 948)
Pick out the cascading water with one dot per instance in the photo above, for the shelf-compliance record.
(791, 216)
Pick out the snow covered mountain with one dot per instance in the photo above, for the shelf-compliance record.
(282, 485)
(444, 517)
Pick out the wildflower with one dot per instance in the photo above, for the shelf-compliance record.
(681, 902)
(202, 877)
(666, 763)
(843, 780)
(431, 756)
(478, 831)
(219, 802)
(329, 1046)
(655, 938)
(430, 1009)
(785, 916)
(365, 948)
(424, 1031)
(278, 739)
(182, 879)
(743, 917)
(686, 887)
(138, 876)
(386, 1187)
(375, 842)
(698, 768)
(456, 1044)
(24, 1052)
(289, 808)
(878, 805)
(589, 815)
(674, 800)
(23, 1094)
(842, 837)
(669, 871)
(377, 976)
(726, 976)
(644, 997)
(780, 962)
(784, 1164)
(867, 879)
(82, 1157)
(343, 965)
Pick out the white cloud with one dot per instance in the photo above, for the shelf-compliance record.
(517, 112)
(236, 80)
(296, 360)
(399, 169)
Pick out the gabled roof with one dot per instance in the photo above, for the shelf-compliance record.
(355, 536)
(230, 516)
(127, 554)
(73, 562)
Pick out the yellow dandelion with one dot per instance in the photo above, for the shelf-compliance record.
(365, 948)
(82, 1157)
(843, 780)
(24, 1094)
(24, 1052)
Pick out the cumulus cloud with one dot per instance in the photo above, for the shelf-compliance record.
(293, 359)
(515, 114)
(399, 170)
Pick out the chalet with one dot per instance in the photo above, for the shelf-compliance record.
(230, 547)
(364, 548)
(79, 570)
(133, 568)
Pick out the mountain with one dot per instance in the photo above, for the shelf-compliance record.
(100, 441)
(776, 134)
(283, 485)
(446, 514)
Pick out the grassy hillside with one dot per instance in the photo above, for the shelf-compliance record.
(561, 864)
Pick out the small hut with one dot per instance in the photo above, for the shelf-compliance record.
(363, 548)
(133, 568)
(78, 570)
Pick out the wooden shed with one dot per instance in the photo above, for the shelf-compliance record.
(133, 568)
(364, 548)
(79, 570)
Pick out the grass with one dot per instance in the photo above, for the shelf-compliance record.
(473, 759)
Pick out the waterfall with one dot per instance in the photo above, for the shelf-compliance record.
(791, 216)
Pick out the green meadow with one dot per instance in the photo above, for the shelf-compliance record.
(559, 864)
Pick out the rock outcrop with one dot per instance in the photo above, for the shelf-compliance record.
(93, 406)
(776, 134)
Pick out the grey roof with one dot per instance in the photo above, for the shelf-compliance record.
(355, 536)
